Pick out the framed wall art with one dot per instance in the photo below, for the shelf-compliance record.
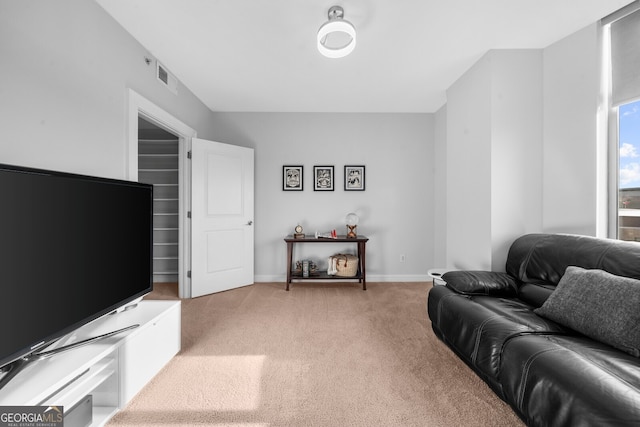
(292, 178)
(323, 178)
(353, 178)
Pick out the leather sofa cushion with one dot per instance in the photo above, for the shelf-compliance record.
(481, 283)
(476, 327)
(599, 305)
(554, 380)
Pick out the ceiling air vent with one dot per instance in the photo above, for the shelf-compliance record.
(166, 78)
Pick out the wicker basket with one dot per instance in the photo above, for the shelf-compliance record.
(346, 265)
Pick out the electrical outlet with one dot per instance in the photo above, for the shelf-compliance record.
(402, 258)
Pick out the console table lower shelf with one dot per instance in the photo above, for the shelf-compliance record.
(101, 378)
(361, 275)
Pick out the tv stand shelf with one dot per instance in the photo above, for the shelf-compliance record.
(112, 370)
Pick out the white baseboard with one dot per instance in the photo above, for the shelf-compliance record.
(267, 278)
(398, 278)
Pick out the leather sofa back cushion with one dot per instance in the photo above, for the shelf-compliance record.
(543, 258)
(599, 305)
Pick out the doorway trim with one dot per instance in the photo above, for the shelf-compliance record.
(139, 106)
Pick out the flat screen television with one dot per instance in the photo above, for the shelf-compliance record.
(72, 249)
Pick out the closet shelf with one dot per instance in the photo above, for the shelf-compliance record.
(158, 164)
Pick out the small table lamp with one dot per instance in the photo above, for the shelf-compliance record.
(352, 223)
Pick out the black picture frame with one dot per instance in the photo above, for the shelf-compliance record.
(354, 178)
(323, 178)
(292, 178)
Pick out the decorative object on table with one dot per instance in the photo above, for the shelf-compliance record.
(352, 223)
(298, 232)
(333, 234)
(353, 178)
(305, 268)
(346, 265)
(323, 178)
(332, 269)
(292, 178)
(311, 267)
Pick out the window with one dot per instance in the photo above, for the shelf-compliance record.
(629, 171)
(621, 32)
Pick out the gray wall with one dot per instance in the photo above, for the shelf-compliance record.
(572, 172)
(516, 149)
(65, 69)
(522, 149)
(468, 169)
(396, 208)
(440, 189)
(493, 157)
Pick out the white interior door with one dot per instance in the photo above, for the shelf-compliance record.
(221, 217)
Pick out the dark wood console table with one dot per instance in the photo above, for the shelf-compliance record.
(361, 275)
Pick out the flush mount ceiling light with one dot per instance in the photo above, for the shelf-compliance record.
(336, 37)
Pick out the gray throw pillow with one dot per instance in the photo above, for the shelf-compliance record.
(599, 305)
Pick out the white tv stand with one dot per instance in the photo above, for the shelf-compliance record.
(112, 370)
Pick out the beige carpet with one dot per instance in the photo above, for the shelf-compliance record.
(319, 355)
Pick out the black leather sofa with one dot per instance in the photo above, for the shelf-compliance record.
(551, 374)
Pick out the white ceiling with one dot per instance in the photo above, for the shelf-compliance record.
(259, 55)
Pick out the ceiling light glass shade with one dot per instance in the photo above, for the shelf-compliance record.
(352, 219)
(336, 37)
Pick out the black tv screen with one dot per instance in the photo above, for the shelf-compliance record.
(72, 248)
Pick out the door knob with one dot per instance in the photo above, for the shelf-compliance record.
(250, 223)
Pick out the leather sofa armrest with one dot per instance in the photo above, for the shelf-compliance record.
(488, 283)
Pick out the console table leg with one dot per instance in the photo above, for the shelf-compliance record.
(289, 259)
(363, 264)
